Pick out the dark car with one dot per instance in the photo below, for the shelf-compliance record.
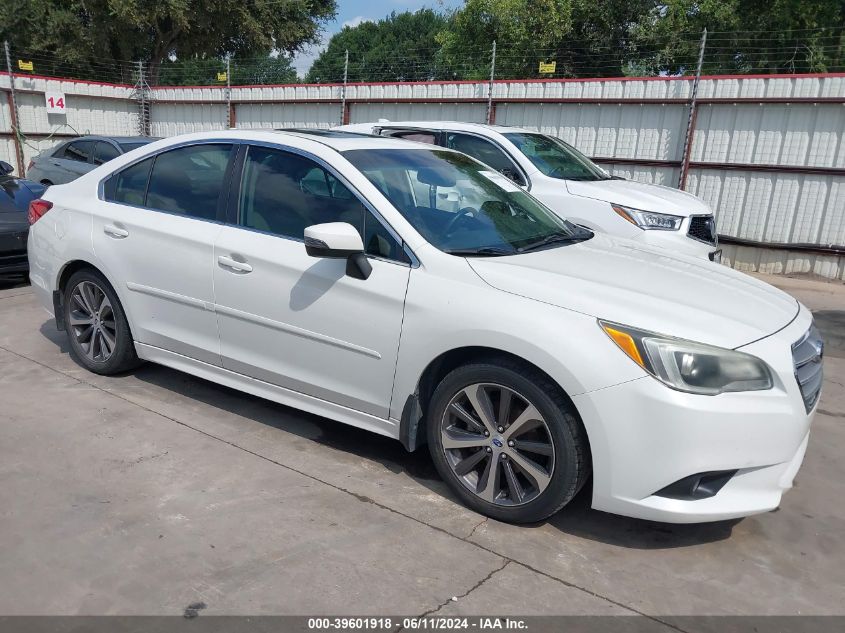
(15, 196)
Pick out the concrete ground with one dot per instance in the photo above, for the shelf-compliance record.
(145, 493)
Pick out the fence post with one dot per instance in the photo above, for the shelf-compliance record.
(15, 114)
(693, 115)
(229, 114)
(141, 94)
(491, 113)
(344, 113)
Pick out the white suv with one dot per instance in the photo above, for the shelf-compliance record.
(527, 352)
(571, 185)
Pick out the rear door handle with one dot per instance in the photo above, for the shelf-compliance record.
(115, 231)
(233, 264)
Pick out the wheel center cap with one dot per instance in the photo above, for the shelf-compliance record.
(498, 441)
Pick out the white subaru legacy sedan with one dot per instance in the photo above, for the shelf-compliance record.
(316, 270)
(570, 184)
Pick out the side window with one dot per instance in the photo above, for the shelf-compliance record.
(188, 180)
(104, 152)
(282, 193)
(485, 151)
(130, 185)
(79, 151)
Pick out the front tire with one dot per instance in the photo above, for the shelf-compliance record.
(100, 339)
(507, 441)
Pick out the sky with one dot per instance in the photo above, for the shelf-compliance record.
(353, 12)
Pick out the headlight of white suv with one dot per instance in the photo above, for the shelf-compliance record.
(648, 220)
(688, 366)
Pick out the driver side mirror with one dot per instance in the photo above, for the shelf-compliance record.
(5, 168)
(339, 240)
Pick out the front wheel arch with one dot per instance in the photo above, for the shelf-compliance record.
(412, 431)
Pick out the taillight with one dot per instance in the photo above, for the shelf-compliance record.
(37, 208)
(31, 165)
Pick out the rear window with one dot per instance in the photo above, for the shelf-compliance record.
(79, 151)
(128, 147)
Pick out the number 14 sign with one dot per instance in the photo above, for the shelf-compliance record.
(55, 102)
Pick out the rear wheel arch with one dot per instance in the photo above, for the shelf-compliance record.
(67, 272)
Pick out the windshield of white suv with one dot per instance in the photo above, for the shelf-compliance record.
(461, 206)
(555, 158)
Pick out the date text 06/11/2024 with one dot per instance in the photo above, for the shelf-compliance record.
(425, 623)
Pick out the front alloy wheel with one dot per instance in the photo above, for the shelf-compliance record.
(497, 444)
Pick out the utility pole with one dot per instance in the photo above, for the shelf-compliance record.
(344, 119)
(490, 114)
(229, 117)
(693, 114)
(141, 93)
(13, 108)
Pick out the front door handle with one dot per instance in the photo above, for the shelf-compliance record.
(115, 231)
(233, 264)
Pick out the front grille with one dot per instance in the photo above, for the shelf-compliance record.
(807, 355)
(703, 228)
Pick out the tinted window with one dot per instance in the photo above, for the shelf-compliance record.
(128, 147)
(283, 193)
(413, 135)
(79, 151)
(130, 185)
(485, 151)
(188, 180)
(104, 152)
(555, 158)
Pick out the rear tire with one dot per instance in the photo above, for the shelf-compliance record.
(100, 339)
(507, 441)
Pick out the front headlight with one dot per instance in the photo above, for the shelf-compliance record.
(647, 220)
(688, 366)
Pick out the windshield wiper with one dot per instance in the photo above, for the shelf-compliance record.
(556, 238)
(485, 251)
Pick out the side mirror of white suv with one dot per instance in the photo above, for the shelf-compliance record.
(339, 240)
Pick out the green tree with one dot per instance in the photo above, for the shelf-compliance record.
(93, 34)
(401, 47)
(276, 69)
(760, 36)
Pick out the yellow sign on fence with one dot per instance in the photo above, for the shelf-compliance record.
(25, 65)
(548, 67)
(221, 76)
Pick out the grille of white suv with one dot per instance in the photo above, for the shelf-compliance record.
(807, 355)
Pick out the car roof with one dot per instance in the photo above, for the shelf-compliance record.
(116, 139)
(337, 140)
(440, 125)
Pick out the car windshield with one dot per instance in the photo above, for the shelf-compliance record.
(555, 158)
(460, 205)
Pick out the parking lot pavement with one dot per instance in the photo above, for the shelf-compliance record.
(147, 492)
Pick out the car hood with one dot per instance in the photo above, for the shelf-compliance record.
(648, 288)
(639, 195)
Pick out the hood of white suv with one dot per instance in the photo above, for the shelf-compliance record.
(638, 195)
(651, 289)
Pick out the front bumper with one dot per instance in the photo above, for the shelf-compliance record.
(645, 436)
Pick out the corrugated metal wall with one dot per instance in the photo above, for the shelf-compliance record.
(768, 153)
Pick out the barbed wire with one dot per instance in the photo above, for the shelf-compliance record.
(727, 52)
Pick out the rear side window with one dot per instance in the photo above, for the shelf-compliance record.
(485, 151)
(79, 151)
(188, 180)
(104, 152)
(130, 185)
(420, 136)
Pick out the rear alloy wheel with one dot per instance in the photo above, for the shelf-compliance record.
(91, 321)
(99, 333)
(507, 441)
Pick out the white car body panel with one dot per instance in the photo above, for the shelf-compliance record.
(296, 330)
(584, 203)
